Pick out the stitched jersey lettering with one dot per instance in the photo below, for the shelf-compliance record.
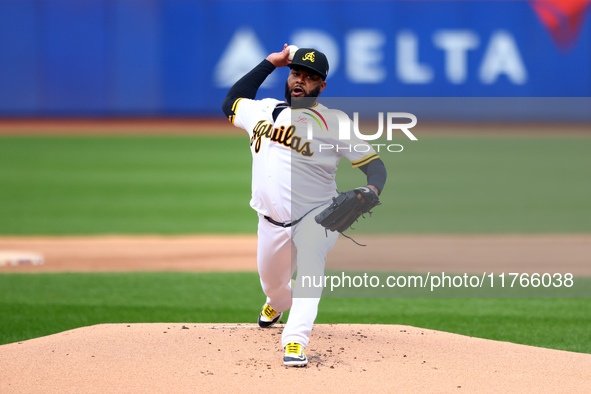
(281, 136)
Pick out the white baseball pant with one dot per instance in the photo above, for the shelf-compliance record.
(280, 251)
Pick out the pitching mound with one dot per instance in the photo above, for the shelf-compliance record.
(244, 358)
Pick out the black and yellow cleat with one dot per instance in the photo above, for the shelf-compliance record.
(269, 316)
(295, 355)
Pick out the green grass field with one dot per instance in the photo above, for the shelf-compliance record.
(42, 304)
(188, 185)
(180, 185)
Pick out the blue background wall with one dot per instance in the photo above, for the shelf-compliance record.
(175, 57)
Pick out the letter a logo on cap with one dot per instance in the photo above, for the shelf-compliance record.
(309, 56)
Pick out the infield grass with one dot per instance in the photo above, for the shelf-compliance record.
(34, 305)
(189, 185)
(197, 184)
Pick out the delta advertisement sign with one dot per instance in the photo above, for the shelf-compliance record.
(179, 58)
(428, 48)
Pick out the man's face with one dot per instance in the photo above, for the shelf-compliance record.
(302, 83)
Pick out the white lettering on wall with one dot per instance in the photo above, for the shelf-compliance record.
(502, 57)
(365, 56)
(456, 44)
(408, 68)
(240, 56)
(366, 61)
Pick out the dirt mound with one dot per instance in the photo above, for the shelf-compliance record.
(228, 357)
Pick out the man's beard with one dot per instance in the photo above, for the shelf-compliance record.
(308, 100)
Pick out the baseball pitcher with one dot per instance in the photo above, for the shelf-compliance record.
(293, 186)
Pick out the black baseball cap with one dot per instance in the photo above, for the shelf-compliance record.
(311, 59)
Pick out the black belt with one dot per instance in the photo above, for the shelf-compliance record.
(276, 223)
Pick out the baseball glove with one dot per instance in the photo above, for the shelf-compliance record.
(346, 209)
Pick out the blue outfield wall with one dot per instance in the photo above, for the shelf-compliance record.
(178, 57)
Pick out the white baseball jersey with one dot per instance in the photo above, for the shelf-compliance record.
(291, 174)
